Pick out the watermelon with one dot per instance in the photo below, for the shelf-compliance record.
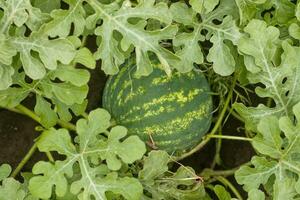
(171, 113)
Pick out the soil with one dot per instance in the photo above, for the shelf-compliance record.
(17, 133)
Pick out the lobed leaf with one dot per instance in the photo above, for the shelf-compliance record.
(280, 167)
(90, 149)
(279, 80)
(116, 19)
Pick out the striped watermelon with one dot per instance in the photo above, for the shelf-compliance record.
(172, 113)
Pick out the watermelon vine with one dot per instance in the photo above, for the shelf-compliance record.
(182, 79)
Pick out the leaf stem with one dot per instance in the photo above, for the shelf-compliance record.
(24, 160)
(24, 110)
(217, 157)
(217, 124)
(230, 137)
(211, 172)
(50, 157)
(227, 183)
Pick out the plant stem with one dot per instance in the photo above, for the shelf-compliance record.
(24, 110)
(24, 160)
(229, 137)
(225, 173)
(50, 157)
(28, 112)
(217, 157)
(234, 114)
(227, 183)
(217, 124)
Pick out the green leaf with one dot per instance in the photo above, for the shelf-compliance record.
(294, 31)
(117, 19)
(221, 193)
(50, 52)
(248, 9)
(278, 141)
(255, 194)
(154, 165)
(11, 189)
(129, 188)
(12, 97)
(7, 51)
(190, 50)
(187, 43)
(5, 171)
(162, 185)
(6, 73)
(203, 6)
(252, 178)
(78, 77)
(62, 20)
(129, 150)
(43, 110)
(279, 81)
(89, 152)
(219, 54)
(47, 5)
(85, 57)
(19, 12)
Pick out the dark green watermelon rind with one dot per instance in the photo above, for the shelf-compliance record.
(186, 96)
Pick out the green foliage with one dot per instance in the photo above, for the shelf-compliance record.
(88, 153)
(45, 56)
(161, 186)
(279, 165)
(265, 65)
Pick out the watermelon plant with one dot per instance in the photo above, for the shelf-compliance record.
(150, 99)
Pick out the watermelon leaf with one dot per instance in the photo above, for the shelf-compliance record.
(162, 184)
(88, 153)
(116, 19)
(281, 159)
(187, 43)
(280, 79)
(222, 193)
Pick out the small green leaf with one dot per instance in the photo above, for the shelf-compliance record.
(7, 51)
(68, 93)
(50, 52)
(5, 171)
(129, 150)
(85, 57)
(11, 189)
(255, 194)
(12, 97)
(6, 73)
(252, 178)
(47, 5)
(77, 77)
(203, 6)
(248, 9)
(155, 164)
(43, 110)
(294, 31)
(222, 193)
(63, 19)
(219, 54)
(19, 12)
